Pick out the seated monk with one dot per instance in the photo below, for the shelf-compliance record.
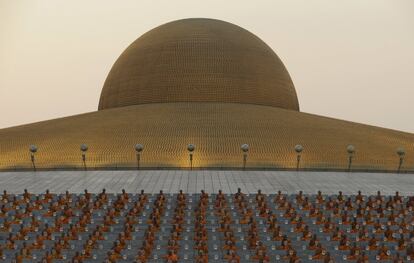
(117, 249)
(127, 232)
(200, 236)
(229, 245)
(99, 232)
(397, 198)
(402, 244)
(5, 197)
(314, 211)
(10, 244)
(53, 208)
(372, 243)
(220, 195)
(291, 255)
(327, 258)
(142, 197)
(285, 243)
(149, 235)
(18, 217)
(261, 256)
(229, 236)
(122, 240)
(320, 252)
(73, 232)
(171, 257)
(25, 251)
(320, 219)
(178, 219)
(6, 226)
(378, 227)
(176, 236)
(3, 211)
(48, 258)
(404, 227)
(47, 196)
(238, 194)
(328, 226)
(147, 247)
(391, 219)
(231, 256)
(343, 243)
(86, 194)
(336, 235)
(77, 258)
(202, 257)
(319, 197)
(23, 231)
(130, 220)
(306, 204)
(26, 195)
(354, 252)
(34, 224)
(252, 240)
(38, 204)
(363, 258)
(384, 253)
(56, 253)
(306, 234)
(201, 245)
(300, 227)
(90, 244)
(363, 235)
(173, 245)
(103, 197)
(111, 256)
(313, 243)
(359, 198)
(247, 215)
(18, 258)
(63, 242)
(345, 220)
(38, 243)
(181, 197)
(141, 256)
(388, 235)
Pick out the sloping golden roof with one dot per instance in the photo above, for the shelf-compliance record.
(198, 60)
(217, 130)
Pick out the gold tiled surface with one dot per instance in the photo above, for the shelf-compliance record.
(217, 130)
(198, 60)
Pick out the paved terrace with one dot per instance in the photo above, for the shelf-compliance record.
(171, 181)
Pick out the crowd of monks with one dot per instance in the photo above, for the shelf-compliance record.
(358, 225)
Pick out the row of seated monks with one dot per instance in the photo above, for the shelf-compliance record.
(374, 220)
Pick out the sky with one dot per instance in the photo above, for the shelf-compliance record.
(349, 59)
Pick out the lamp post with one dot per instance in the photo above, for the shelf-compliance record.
(245, 149)
(138, 150)
(298, 150)
(33, 150)
(190, 149)
(401, 154)
(84, 149)
(351, 151)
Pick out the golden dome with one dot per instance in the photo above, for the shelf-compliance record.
(225, 88)
(198, 60)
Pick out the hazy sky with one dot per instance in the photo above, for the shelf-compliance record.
(349, 59)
